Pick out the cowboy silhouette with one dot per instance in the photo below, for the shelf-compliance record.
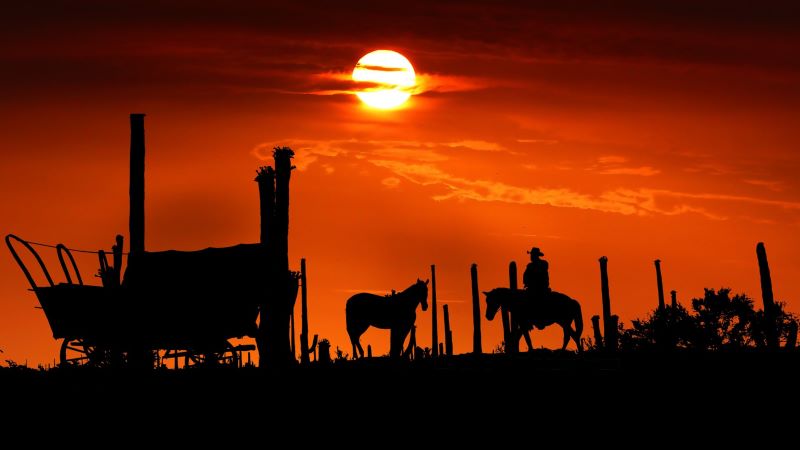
(536, 278)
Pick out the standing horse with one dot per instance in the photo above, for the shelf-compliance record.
(396, 313)
(527, 312)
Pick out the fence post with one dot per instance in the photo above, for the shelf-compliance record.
(305, 351)
(476, 312)
(434, 315)
(510, 336)
(609, 328)
(448, 334)
(767, 296)
(660, 283)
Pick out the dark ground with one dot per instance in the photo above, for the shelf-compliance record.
(668, 396)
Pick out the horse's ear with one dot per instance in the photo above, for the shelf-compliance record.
(427, 281)
(486, 293)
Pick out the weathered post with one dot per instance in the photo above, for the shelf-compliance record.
(674, 297)
(510, 337)
(609, 329)
(136, 186)
(273, 338)
(767, 297)
(448, 334)
(476, 312)
(434, 317)
(305, 350)
(660, 283)
(598, 337)
(116, 250)
(369, 351)
(265, 176)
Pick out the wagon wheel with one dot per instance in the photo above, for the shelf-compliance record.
(224, 356)
(79, 352)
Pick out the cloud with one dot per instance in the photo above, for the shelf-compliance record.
(309, 151)
(419, 162)
(772, 185)
(341, 83)
(477, 145)
(644, 171)
(612, 159)
(538, 141)
(614, 165)
(391, 182)
(493, 191)
(641, 201)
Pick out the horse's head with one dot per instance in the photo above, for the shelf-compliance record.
(492, 303)
(422, 287)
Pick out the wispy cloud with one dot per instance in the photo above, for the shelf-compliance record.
(772, 185)
(477, 145)
(642, 201)
(644, 171)
(391, 182)
(616, 165)
(341, 83)
(612, 159)
(308, 151)
(538, 141)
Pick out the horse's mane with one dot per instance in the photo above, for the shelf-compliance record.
(417, 284)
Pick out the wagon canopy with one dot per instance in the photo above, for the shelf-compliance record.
(199, 291)
(241, 268)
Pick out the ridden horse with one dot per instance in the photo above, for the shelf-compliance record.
(396, 312)
(528, 312)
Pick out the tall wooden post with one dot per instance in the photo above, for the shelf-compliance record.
(510, 336)
(767, 296)
(117, 249)
(266, 193)
(136, 186)
(660, 283)
(476, 312)
(448, 334)
(434, 315)
(609, 329)
(273, 341)
(304, 353)
(674, 297)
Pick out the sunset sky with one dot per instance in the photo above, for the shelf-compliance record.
(584, 128)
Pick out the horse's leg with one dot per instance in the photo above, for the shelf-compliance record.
(355, 338)
(577, 338)
(398, 337)
(354, 341)
(527, 336)
(567, 334)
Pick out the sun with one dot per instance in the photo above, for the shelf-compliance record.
(390, 76)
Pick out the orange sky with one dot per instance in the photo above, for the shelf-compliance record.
(632, 131)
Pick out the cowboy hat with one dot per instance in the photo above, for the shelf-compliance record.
(535, 252)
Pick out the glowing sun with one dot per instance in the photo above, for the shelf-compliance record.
(390, 76)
